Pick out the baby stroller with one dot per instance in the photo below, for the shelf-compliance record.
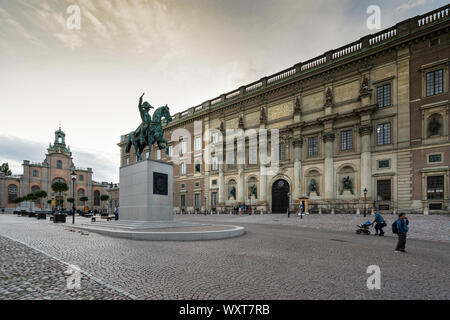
(364, 228)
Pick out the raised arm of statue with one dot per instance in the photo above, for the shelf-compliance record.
(141, 110)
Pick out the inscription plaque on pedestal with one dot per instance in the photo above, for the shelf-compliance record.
(160, 183)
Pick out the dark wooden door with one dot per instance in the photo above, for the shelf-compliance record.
(280, 196)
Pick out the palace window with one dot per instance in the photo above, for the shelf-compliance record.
(81, 177)
(197, 200)
(215, 137)
(183, 168)
(434, 81)
(281, 152)
(435, 187)
(183, 200)
(197, 167)
(183, 186)
(213, 199)
(127, 161)
(35, 173)
(384, 133)
(214, 182)
(434, 42)
(313, 146)
(197, 184)
(12, 193)
(384, 95)
(384, 190)
(183, 147)
(252, 156)
(59, 164)
(214, 163)
(170, 151)
(435, 158)
(158, 154)
(347, 140)
(384, 164)
(198, 143)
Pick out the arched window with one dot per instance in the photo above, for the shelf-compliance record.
(59, 179)
(59, 164)
(80, 194)
(96, 198)
(12, 193)
(34, 189)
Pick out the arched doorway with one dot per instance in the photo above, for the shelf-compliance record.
(280, 196)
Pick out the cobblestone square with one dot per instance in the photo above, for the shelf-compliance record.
(276, 260)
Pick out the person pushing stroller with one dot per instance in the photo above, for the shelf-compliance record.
(379, 224)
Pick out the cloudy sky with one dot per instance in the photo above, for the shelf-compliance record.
(179, 52)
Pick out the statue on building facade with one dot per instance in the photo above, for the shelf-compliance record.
(241, 121)
(262, 116)
(253, 191)
(434, 127)
(150, 131)
(328, 98)
(233, 192)
(297, 106)
(347, 183)
(313, 186)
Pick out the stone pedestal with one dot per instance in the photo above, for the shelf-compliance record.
(347, 194)
(146, 191)
(313, 195)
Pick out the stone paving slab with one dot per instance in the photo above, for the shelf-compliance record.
(26, 274)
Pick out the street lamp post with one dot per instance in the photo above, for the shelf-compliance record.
(73, 175)
(289, 206)
(365, 199)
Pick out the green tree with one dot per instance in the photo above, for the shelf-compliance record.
(59, 187)
(84, 199)
(31, 197)
(41, 194)
(70, 200)
(103, 198)
(4, 168)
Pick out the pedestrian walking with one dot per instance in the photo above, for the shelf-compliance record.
(401, 226)
(379, 224)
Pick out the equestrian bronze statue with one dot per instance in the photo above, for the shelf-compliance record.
(150, 131)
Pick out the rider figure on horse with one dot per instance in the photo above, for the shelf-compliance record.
(143, 129)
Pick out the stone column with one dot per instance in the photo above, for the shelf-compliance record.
(328, 138)
(297, 168)
(366, 161)
(221, 185)
(263, 184)
(241, 184)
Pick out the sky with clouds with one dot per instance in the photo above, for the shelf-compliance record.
(179, 52)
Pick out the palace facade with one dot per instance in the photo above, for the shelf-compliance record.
(57, 166)
(362, 126)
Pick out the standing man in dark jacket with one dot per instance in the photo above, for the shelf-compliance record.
(402, 230)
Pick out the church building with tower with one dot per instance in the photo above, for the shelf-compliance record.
(57, 166)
